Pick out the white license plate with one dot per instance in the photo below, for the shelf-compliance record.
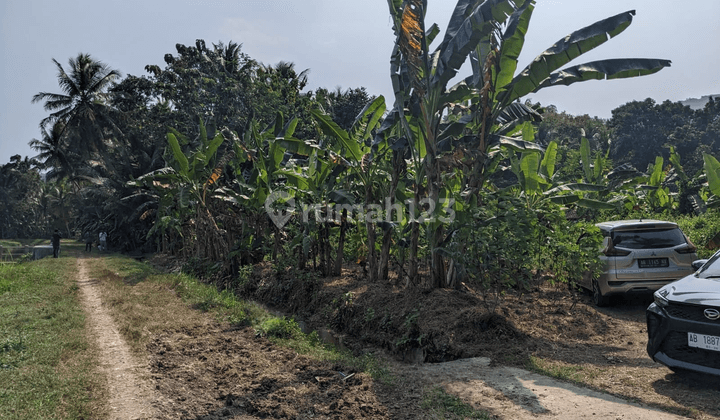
(702, 341)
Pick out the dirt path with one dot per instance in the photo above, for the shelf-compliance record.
(513, 393)
(129, 391)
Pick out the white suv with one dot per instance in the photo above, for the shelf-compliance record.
(640, 256)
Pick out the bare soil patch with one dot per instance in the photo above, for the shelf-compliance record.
(215, 372)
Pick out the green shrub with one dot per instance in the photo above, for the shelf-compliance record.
(284, 328)
(506, 244)
(701, 230)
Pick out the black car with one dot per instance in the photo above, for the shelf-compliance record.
(683, 323)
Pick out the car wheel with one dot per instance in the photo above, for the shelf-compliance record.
(598, 298)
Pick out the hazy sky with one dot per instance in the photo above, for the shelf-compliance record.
(342, 43)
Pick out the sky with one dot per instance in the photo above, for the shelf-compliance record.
(344, 44)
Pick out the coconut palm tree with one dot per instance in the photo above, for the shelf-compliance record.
(82, 105)
(52, 152)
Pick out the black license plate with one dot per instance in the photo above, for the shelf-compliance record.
(652, 262)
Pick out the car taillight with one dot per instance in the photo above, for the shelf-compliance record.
(617, 252)
(689, 249)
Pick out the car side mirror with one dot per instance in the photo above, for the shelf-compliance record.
(697, 264)
(607, 245)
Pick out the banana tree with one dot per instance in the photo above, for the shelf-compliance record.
(181, 189)
(255, 185)
(355, 149)
(491, 35)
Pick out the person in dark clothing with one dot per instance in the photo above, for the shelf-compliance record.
(88, 241)
(56, 243)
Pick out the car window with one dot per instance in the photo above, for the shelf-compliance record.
(648, 239)
(708, 269)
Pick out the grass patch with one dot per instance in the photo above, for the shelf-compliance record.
(571, 373)
(447, 406)
(46, 363)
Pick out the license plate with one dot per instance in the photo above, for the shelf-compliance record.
(702, 341)
(652, 262)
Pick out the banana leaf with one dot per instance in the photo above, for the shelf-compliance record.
(595, 204)
(367, 120)
(296, 146)
(675, 161)
(576, 187)
(564, 51)
(547, 166)
(617, 68)
(564, 199)
(512, 44)
(657, 174)
(530, 165)
(179, 156)
(459, 93)
(516, 144)
(455, 128)
(330, 128)
(712, 171)
(464, 32)
(294, 178)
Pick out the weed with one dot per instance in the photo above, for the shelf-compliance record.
(244, 275)
(447, 406)
(566, 372)
(369, 315)
(280, 328)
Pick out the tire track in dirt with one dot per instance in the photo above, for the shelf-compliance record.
(130, 395)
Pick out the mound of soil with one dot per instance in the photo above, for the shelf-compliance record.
(433, 325)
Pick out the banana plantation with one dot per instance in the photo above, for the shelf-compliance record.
(226, 162)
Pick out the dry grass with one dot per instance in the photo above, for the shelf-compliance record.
(141, 301)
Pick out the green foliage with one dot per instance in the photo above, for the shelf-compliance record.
(507, 245)
(571, 251)
(447, 406)
(285, 328)
(703, 230)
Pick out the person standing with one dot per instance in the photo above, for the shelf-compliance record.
(56, 243)
(88, 241)
(103, 241)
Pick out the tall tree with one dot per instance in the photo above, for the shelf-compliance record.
(83, 104)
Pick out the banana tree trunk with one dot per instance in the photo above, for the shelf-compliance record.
(370, 226)
(383, 269)
(437, 262)
(337, 270)
(414, 240)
